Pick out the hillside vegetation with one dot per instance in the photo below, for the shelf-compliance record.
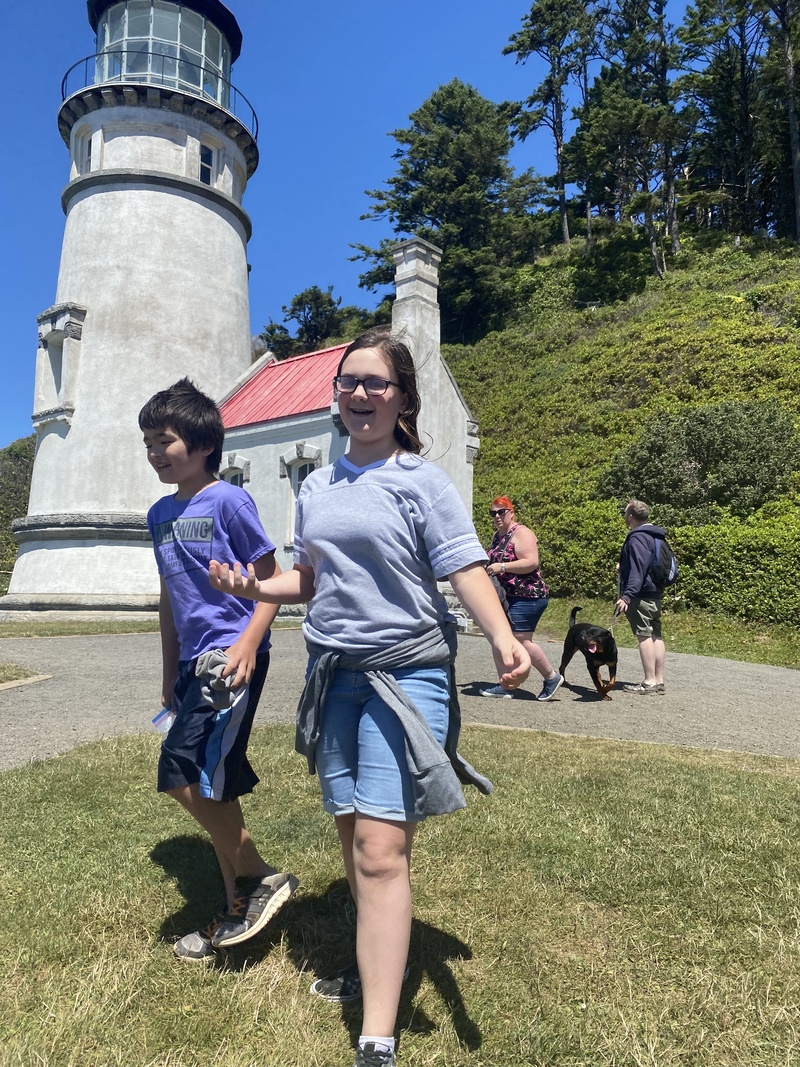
(16, 466)
(564, 392)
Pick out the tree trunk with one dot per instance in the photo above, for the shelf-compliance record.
(558, 129)
(656, 257)
(670, 201)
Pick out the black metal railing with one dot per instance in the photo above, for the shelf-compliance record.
(144, 66)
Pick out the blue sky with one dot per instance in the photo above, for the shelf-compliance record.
(327, 80)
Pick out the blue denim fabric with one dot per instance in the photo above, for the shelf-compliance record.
(525, 613)
(361, 758)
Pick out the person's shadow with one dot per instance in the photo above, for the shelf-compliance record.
(320, 938)
(474, 689)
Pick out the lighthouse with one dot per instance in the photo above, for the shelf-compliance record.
(152, 287)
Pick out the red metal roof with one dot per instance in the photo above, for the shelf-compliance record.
(295, 386)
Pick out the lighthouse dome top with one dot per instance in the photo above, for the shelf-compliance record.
(162, 18)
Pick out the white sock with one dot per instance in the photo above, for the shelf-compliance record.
(382, 1044)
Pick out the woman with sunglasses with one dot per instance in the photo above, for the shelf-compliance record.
(514, 562)
(379, 717)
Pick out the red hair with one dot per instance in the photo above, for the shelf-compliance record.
(503, 502)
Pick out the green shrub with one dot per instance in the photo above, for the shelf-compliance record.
(748, 569)
(701, 461)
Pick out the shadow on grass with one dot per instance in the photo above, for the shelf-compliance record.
(319, 934)
(191, 861)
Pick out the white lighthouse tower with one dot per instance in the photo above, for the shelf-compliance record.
(152, 286)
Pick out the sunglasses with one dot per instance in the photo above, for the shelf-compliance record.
(500, 511)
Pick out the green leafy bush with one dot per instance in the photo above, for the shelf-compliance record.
(745, 568)
(701, 461)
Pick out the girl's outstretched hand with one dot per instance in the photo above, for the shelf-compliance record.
(513, 664)
(232, 580)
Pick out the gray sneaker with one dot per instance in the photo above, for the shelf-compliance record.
(661, 689)
(257, 900)
(642, 690)
(551, 687)
(344, 987)
(369, 1056)
(496, 691)
(196, 947)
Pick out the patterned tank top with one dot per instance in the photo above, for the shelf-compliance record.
(526, 586)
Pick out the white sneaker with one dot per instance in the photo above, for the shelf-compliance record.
(496, 691)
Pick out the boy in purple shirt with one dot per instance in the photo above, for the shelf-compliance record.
(203, 762)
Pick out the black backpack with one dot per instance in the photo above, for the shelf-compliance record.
(664, 568)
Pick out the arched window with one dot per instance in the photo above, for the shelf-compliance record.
(295, 466)
(236, 470)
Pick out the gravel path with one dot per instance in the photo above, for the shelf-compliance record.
(108, 686)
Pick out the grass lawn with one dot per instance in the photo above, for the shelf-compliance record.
(697, 632)
(610, 904)
(10, 672)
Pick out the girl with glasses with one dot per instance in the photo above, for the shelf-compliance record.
(379, 718)
(514, 562)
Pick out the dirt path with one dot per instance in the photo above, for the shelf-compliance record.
(109, 686)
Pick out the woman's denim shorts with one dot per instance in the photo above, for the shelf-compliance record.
(361, 755)
(524, 613)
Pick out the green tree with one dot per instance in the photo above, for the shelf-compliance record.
(783, 25)
(16, 468)
(723, 44)
(317, 315)
(562, 34)
(321, 320)
(630, 126)
(277, 339)
(454, 186)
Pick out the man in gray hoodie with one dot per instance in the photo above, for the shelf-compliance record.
(640, 597)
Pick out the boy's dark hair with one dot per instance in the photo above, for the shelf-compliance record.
(192, 415)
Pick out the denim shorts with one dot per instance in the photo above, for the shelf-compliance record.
(361, 758)
(525, 612)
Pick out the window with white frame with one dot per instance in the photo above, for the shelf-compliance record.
(206, 165)
(163, 42)
(83, 152)
(298, 472)
(236, 470)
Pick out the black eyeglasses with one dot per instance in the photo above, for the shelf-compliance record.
(348, 383)
(500, 511)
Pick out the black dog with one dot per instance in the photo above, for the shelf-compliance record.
(598, 647)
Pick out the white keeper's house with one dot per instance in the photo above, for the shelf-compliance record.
(281, 421)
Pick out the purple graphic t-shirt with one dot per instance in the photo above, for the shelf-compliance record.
(221, 522)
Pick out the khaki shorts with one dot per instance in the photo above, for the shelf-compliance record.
(645, 618)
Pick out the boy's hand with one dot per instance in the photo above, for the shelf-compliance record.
(232, 580)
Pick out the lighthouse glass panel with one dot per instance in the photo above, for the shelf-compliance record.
(163, 43)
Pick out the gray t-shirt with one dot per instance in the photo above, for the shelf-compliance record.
(378, 538)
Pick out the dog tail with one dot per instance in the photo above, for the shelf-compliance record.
(574, 615)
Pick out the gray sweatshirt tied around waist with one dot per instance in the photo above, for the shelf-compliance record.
(435, 771)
